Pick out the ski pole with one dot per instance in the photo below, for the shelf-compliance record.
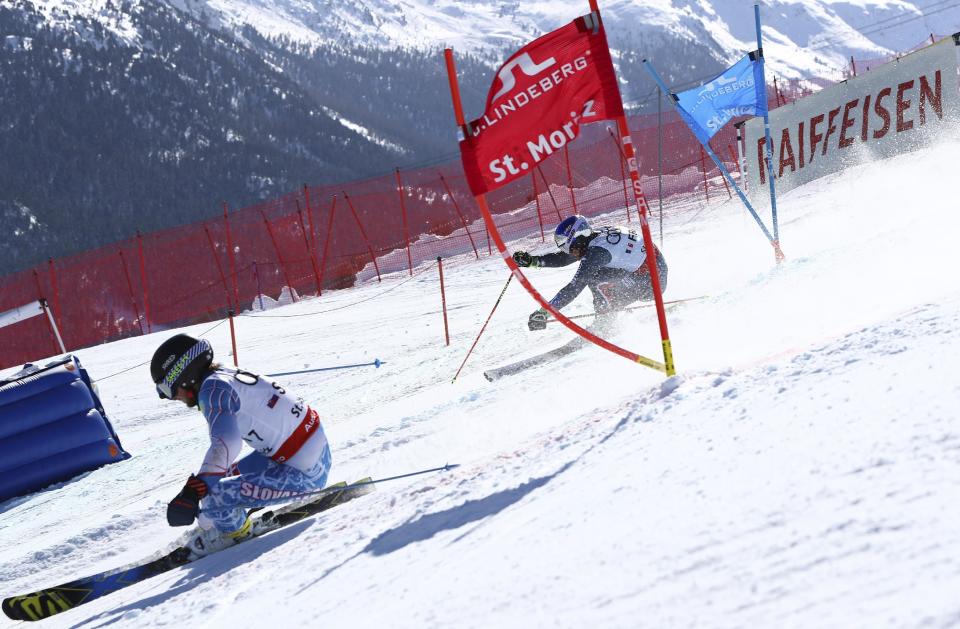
(666, 303)
(376, 363)
(364, 483)
(490, 316)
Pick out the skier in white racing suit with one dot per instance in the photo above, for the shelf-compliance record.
(613, 264)
(291, 453)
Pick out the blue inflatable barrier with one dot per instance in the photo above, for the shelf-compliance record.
(52, 427)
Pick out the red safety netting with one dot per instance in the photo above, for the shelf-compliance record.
(329, 237)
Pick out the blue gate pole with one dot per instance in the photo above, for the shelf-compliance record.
(769, 141)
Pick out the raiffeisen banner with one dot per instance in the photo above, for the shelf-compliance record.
(894, 108)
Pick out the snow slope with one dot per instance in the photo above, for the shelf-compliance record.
(800, 470)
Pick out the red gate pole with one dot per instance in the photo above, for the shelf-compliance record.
(233, 262)
(624, 130)
(550, 192)
(536, 196)
(566, 156)
(853, 66)
(143, 283)
(363, 233)
(216, 258)
(133, 299)
(776, 90)
(703, 168)
(443, 299)
(463, 221)
(306, 243)
(623, 174)
(326, 244)
(55, 286)
(406, 230)
(276, 247)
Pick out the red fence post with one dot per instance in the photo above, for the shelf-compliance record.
(550, 192)
(703, 167)
(276, 247)
(306, 243)
(363, 233)
(463, 221)
(536, 196)
(56, 289)
(623, 173)
(326, 245)
(143, 282)
(216, 258)
(233, 336)
(573, 198)
(406, 230)
(133, 299)
(233, 262)
(443, 299)
(313, 233)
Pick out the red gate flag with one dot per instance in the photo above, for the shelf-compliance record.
(538, 101)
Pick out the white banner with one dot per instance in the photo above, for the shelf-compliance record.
(19, 314)
(894, 108)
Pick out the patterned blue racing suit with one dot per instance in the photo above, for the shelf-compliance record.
(291, 454)
(613, 267)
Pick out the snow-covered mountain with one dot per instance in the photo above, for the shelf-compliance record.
(160, 109)
(803, 37)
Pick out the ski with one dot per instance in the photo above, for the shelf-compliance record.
(53, 600)
(534, 361)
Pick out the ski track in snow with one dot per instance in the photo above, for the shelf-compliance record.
(800, 470)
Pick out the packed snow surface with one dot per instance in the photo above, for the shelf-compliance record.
(801, 469)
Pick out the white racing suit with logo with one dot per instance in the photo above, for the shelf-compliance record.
(291, 454)
(613, 267)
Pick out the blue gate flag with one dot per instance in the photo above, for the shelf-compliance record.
(738, 91)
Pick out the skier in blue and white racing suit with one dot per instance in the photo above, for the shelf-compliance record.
(291, 454)
(613, 264)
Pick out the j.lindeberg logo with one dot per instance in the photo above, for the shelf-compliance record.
(526, 63)
(720, 82)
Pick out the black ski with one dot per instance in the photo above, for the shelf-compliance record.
(50, 601)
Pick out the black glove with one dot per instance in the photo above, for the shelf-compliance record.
(522, 258)
(183, 509)
(538, 320)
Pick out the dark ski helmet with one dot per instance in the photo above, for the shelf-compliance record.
(570, 230)
(180, 361)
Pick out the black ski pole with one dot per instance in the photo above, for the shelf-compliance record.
(490, 316)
